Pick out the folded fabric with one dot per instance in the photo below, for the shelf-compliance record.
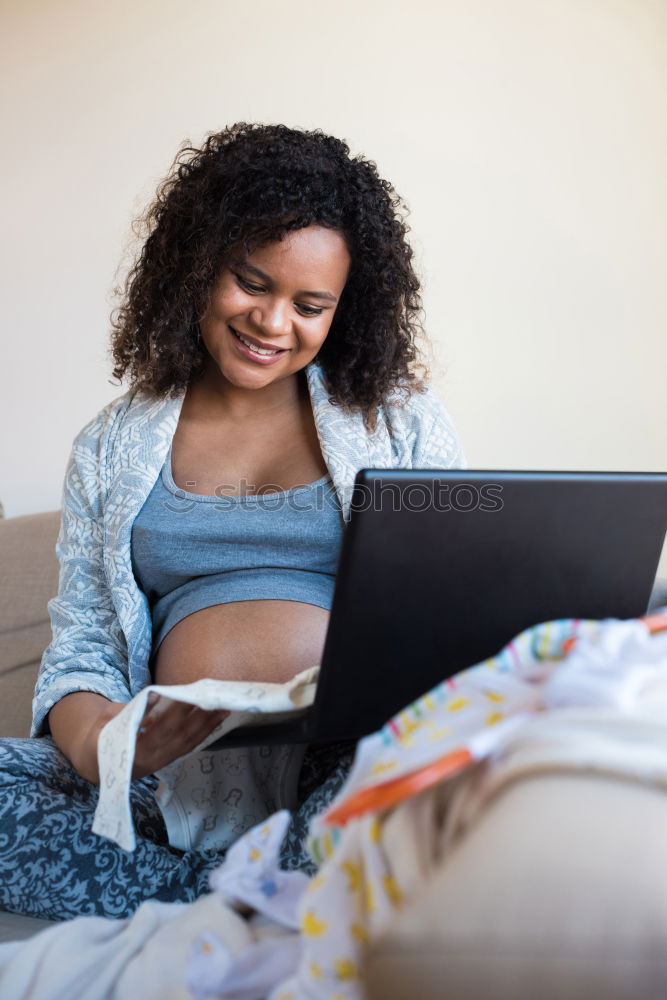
(207, 801)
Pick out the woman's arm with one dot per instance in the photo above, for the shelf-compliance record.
(77, 720)
(88, 651)
(83, 678)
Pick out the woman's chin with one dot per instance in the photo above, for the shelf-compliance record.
(244, 376)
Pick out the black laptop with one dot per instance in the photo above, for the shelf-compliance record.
(440, 569)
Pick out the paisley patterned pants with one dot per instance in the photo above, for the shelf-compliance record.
(53, 866)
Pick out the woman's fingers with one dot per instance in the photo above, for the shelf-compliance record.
(197, 726)
(170, 717)
(181, 729)
(175, 731)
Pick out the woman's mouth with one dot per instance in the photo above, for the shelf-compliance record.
(249, 350)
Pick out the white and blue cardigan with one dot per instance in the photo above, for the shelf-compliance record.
(101, 622)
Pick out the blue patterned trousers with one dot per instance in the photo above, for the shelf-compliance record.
(53, 866)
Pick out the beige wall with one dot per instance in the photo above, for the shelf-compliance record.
(529, 138)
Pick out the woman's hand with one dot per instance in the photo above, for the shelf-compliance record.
(77, 720)
(168, 733)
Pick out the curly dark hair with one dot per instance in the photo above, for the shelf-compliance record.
(248, 186)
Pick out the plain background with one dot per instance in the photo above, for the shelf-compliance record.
(528, 138)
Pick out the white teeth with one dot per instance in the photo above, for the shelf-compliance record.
(255, 350)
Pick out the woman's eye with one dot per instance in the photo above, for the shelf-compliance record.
(309, 310)
(248, 285)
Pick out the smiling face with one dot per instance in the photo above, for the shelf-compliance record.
(271, 311)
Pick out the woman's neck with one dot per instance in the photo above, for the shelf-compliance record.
(213, 397)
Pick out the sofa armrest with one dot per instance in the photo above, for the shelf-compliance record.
(556, 891)
(29, 580)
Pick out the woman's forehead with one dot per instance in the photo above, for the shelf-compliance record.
(314, 252)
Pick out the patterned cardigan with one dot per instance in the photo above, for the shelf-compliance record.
(100, 619)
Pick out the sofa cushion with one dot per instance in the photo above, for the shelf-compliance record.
(16, 928)
(29, 580)
(557, 891)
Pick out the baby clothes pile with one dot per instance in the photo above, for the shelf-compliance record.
(565, 695)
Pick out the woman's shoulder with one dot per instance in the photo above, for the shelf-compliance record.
(413, 405)
(414, 397)
(406, 403)
(127, 433)
(411, 426)
(135, 410)
(106, 418)
(417, 415)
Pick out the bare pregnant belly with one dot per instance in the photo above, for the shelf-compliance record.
(244, 640)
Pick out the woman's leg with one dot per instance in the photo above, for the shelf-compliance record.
(53, 866)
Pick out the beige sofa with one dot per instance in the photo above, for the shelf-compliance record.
(559, 890)
(29, 578)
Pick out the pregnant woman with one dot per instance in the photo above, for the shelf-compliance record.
(268, 334)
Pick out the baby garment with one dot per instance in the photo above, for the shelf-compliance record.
(207, 798)
(212, 797)
(557, 665)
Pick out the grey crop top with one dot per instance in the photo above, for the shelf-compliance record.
(190, 552)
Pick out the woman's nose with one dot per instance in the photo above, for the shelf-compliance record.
(273, 319)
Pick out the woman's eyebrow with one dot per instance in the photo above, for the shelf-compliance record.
(265, 277)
